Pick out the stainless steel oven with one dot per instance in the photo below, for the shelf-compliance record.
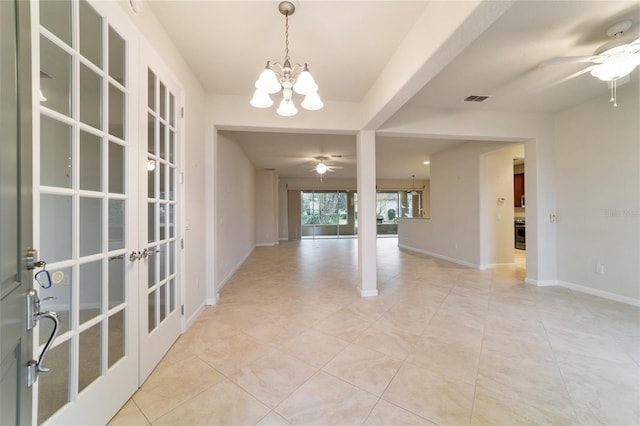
(520, 235)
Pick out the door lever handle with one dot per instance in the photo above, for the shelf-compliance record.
(56, 325)
(33, 316)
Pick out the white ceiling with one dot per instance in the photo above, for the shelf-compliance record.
(348, 43)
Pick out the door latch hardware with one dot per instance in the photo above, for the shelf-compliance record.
(31, 260)
(33, 316)
(148, 253)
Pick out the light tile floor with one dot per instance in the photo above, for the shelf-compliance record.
(292, 343)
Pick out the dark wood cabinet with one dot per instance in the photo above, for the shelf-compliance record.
(518, 190)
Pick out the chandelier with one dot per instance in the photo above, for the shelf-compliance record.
(283, 77)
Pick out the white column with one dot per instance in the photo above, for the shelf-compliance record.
(366, 153)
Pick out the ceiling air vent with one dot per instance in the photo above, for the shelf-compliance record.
(476, 98)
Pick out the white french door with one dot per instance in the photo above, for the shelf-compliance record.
(160, 292)
(86, 208)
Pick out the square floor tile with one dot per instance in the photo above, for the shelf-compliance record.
(326, 400)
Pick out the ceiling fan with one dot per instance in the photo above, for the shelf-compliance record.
(323, 166)
(613, 60)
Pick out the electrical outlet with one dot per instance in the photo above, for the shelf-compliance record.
(553, 218)
(599, 268)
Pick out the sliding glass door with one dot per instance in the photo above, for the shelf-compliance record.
(328, 214)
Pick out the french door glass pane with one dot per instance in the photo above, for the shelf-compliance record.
(151, 267)
(116, 168)
(54, 388)
(172, 148)
(151, 222)
(163, 102)
(172, 259)
(116, 281)
(90, 226)
(172, 110)
(151, 135)
(90, 97)
(90, 285)
(90, 352)
(55, 227)
(151, 90)
(116, 112)
(151, 178)
(162, 147)
(163, 218)
(172, 295)
(172, 195)
(172, 224)
(116, 224)
(55, 16)
(90, 161)
(163, 302)
(55, 153)
(152, 310)
(55, 77)
(116, 57)
(90, 33)
(163, 194)
(163, 261)
(116, 337)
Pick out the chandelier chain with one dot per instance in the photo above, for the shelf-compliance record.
(286, 37)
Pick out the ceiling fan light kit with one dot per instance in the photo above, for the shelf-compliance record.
(284, 77)
(321, 168)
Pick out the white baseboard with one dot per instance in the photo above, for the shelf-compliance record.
(193, 317)
(230, 274)
(493, 265)
(541, 283)
(211, 301)
(440, 256)
(368, 293)
(600, 293)
(267, 244)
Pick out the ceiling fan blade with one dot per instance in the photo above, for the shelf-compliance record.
(570, 59)
(633, 48)
(574, 75)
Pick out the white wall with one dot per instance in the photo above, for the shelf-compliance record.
(496, 205)
(454, 229)
(266, 205)
(597, 150)
(536, 131)
(235, 209)
(194, 223)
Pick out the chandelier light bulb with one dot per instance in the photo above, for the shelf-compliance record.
(261, 99)
(312, 102)
(287, 108)
(305, 84)
(268, 81)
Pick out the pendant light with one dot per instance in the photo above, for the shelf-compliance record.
(284, 77)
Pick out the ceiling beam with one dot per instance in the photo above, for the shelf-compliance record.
(444, 29)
